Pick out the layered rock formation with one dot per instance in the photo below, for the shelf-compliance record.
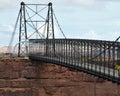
(20, 77)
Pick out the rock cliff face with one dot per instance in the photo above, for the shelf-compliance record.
(19, 77)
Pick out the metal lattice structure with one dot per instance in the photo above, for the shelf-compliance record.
(35, 21)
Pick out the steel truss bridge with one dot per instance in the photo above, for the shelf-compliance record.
(96, 57)
(92, 56)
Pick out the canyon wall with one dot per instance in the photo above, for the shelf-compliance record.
(20, 77)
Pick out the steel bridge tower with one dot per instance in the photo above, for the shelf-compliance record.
(22, 48)
(50, 28)
(23, 29)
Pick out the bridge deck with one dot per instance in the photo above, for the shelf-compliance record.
(94, 57)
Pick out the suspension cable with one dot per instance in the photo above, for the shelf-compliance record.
(106, 48)
(14, 30)
(59, 25)
(117, 39)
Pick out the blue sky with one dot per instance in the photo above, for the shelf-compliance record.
(83, 19)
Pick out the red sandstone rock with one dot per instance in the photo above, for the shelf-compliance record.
(20, 77)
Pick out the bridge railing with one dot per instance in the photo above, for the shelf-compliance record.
(93, 56)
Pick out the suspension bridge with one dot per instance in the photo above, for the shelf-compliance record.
(37, 41)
